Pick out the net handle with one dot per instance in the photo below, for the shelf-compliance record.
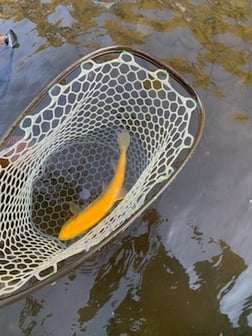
(86, 254)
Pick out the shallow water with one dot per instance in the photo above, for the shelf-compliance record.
(185, 266)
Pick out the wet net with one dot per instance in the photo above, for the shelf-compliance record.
(62, 152)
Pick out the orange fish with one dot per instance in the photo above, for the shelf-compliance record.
(102, 205)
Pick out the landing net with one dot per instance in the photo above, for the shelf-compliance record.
(62, 153)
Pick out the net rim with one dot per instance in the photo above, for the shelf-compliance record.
(81, 257)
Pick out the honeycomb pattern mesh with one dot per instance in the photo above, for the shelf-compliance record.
(66, 156)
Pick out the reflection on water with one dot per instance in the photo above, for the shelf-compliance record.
(125, 267)
(135, 286)
(190, 274)
(161, 294)
(220, 33)
(6, 55)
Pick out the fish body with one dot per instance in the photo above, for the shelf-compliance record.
(102, 205)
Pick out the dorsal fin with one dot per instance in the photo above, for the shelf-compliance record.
(121, 194)
(74, 209)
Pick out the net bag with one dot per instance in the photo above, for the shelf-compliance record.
(60, 152)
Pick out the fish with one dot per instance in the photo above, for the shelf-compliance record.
(98, 209)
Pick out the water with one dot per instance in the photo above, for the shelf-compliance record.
(185, 266)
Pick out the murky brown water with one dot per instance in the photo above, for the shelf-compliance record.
(185, 267)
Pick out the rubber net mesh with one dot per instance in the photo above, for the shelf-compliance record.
(66, 154)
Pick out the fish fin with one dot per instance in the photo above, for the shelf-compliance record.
(114, 165)
(121, 194)
(104, 186)
(84, 194)
(123, 139)
(74, 209)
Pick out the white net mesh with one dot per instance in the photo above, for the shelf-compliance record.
(65, 156)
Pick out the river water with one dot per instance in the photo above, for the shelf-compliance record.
(185, 266)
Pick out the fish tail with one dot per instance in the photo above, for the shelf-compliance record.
(123, 139)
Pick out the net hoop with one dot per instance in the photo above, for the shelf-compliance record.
(96, 57)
